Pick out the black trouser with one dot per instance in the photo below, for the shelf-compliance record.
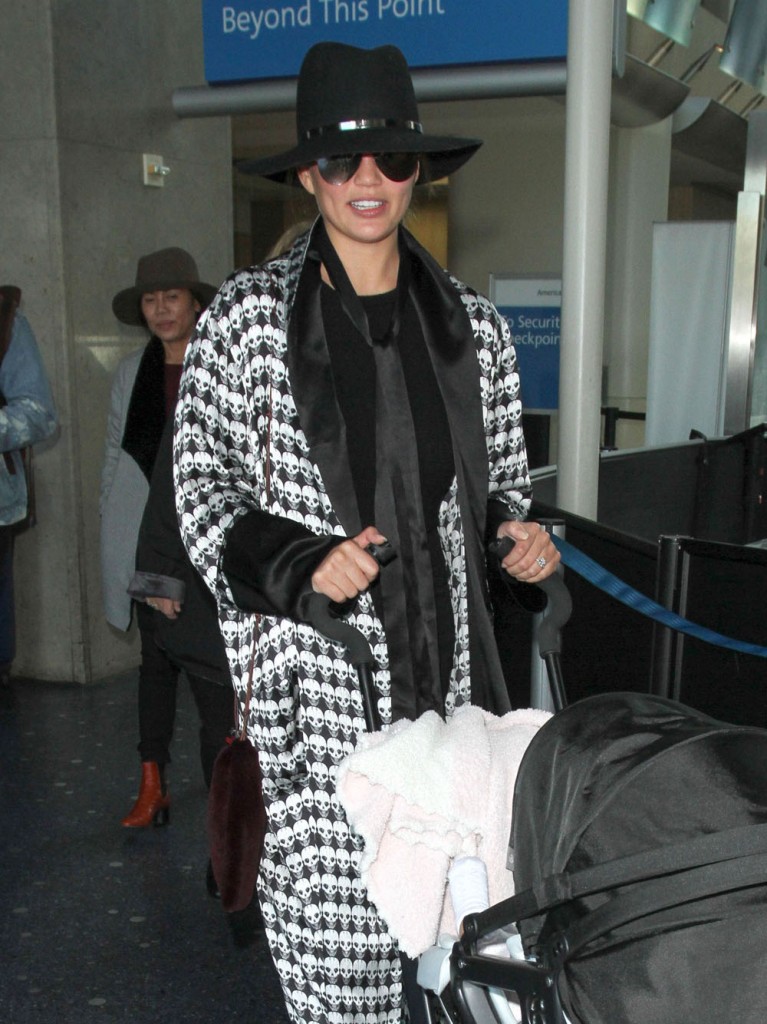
(157, 683)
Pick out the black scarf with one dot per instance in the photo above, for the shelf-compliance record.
(145, 420)
(449, 338)
(406, 588)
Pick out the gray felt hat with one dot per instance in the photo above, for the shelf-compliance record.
(161, 271)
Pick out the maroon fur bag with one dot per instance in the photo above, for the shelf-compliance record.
(236, 822)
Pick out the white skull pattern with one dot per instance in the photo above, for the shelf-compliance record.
(307, 710)
(250, 308)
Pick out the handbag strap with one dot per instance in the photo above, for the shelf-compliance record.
(257, 627)
(246, 709)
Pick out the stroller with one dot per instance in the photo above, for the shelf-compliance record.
(639, 848)
(639, 854)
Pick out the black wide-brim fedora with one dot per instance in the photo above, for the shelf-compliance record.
(351, 100)
(161, 271)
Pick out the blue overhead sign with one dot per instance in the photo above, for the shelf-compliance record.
(245, 41)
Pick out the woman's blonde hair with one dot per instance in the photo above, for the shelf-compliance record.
(288, 236)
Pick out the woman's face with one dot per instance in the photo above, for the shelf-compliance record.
(367, 208)
(171, 315)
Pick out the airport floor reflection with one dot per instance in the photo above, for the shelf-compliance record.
(99, 923)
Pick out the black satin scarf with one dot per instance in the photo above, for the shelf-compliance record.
(145, 419)
(406, 585)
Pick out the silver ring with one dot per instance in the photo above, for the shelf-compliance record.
(541, 561)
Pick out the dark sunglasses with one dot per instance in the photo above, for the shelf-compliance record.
(337, 170)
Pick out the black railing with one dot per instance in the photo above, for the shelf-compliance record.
(612, 414)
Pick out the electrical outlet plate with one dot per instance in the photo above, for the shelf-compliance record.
(153, 170)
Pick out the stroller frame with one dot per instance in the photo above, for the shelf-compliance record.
(712, 864)
(536, 985)
(468, 984)
(472, 986)
(471, 975)
(473, 989)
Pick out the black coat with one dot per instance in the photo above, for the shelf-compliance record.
(163, 569)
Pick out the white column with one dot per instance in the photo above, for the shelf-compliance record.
(639, 186)
(589, 70)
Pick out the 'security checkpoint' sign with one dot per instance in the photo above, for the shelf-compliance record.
(532, 308)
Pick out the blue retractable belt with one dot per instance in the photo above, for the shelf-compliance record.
(621, 591)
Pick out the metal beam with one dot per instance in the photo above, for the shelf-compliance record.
(747, 271)
(495, 81)
(741, 340)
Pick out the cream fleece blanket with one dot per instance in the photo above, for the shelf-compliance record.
(425, 792)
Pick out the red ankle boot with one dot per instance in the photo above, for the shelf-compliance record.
(152, 806)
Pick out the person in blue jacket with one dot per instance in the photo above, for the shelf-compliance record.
(27, 416)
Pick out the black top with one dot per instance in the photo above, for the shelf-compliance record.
(193, 640)
(353, 364)
(354, 377)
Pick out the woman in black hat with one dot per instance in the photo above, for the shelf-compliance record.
(166, 298)
(346, 393)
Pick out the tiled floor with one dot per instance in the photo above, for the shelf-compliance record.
(99, 923)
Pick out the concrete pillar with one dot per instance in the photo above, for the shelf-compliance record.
(638, 198)
(84, 90)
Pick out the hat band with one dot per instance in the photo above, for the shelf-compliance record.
(365, 124)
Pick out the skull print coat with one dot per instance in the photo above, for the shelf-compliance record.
(258, 431)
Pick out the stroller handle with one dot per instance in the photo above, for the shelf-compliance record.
(326, 617)
(319, 613)
(559, 604)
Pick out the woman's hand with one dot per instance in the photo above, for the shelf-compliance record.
(169, 608)
(348, 570)
(534, 556)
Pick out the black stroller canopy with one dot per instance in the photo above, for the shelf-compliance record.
(634, 776)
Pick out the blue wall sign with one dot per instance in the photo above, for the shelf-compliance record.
(254, 39)
(532, 308)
